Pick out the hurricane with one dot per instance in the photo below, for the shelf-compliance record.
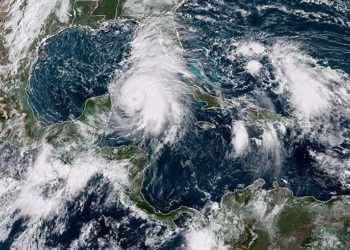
(152, 106)
(174, 124)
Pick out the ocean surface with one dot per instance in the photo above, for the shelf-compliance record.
(280, 70)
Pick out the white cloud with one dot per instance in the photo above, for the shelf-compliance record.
(254, 67)
(240, 138)
(203, 239)
(148, 100)
(25, 22)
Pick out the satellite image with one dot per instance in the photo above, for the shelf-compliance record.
(175, 124)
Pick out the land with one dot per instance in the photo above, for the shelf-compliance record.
(257, 116)
(138, 162)
(254, 218)
(251, 218)
(209, 100)
(3, 55)
(91, 12)
(106, 8)
(83, 11)
(5, 108)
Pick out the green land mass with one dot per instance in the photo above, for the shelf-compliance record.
(138, 160)
(106, 8)
(3, 55)
(209, 100)
(91, 12)
(5, 107)
(261, 115)
(85, 132)
(18, 124)
(254, 218)
(82, 13)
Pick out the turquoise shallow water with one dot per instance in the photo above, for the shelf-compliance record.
(219, 38)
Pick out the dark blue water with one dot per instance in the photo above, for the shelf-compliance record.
(110, 220)
(197, 166)
(75, 65)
